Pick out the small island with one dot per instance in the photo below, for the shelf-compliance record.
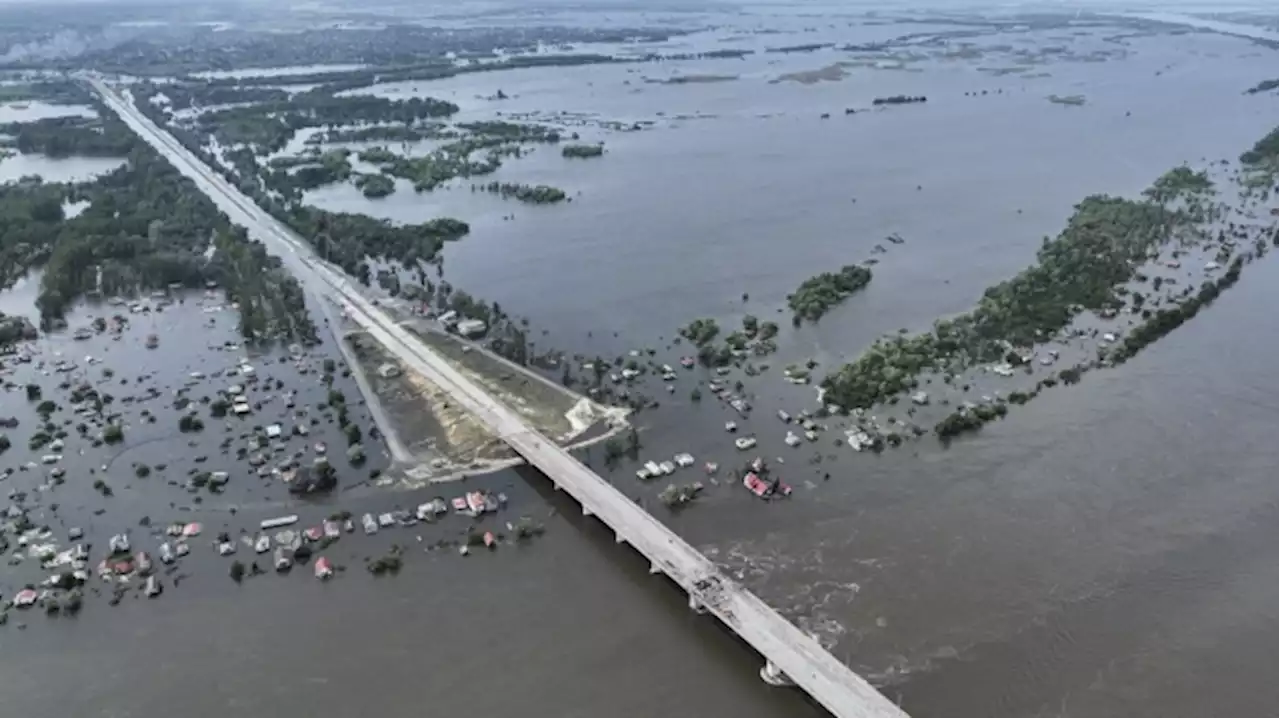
(375, 185)
(817, 295)
(529, 194)
(1068, 100)
(582, 151)
(899, 100)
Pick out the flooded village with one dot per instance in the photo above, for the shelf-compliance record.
(883, 314)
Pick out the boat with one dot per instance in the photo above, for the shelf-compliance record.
(279, 521)
(314, 533)
(262, 544)
(386, 519)
(283, 559)
(192, 529)
(459, 504)
(153, 587)
(370, 525)
(489, 539)
(226, 548)
(730, 426)
(667, 467)
(475, 502)
(784, 416)
(683, 460)
(332, 529)
(711, 467)
(82, 334)
(791, 439)
(181, 549)
(687, 362)
(744, 443)
(491, 503)
(324, 569)
(320, 447)
(166, 553)
(653, 468)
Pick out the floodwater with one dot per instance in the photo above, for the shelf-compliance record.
(1107, 550)
(56, 169)
(274, 71)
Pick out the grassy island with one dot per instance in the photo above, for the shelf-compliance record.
(819, 294)
(530, 194)
(1104, 241)
(374, 186)
(582, 151)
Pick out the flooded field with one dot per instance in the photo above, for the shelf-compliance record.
(1106, 550)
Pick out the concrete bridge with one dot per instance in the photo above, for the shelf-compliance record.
(791, 657)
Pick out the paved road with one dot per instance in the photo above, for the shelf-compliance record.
(829, 682)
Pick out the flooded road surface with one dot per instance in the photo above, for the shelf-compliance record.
(1107, 550)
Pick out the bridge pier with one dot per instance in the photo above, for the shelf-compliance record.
(617, 538)
(654, 569)
(586, 511)
(696, 606)
(771, 674)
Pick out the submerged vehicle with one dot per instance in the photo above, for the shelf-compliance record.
(370, 525)
(283, 559)
(323, 569)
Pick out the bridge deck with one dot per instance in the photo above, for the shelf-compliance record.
(802, 659)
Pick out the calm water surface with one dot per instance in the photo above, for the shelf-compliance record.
(1105, 551)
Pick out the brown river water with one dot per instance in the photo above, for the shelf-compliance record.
(1107, 550)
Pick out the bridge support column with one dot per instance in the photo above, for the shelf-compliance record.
(617, 538)
(654, 570)
(774, 676)
(696, 606)
(586, 511)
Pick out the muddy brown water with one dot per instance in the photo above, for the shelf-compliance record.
(1107, 550)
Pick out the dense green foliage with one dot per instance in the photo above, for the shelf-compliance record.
(1264, 86)
(268, 126)
(382, 133)
(347, 239)
(818, 294)
(68, 136)
(183, 96)
(374, 186)
(145, 227)
(582, 150)
(1265, 152)
(700, 331)
(1180, 181)
(531, 194)
(1104, 240)
(969, 418)
(290, 176)
(1164, 321)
